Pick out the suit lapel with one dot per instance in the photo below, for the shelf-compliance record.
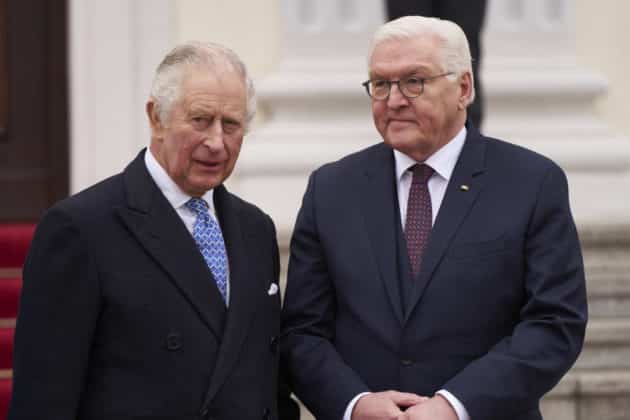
(243, 287)
(378, 198)
(455, 206)
(159, 230)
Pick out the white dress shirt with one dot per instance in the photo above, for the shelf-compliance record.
(178, 199)
(443, 162)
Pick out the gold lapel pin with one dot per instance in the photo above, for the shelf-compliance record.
(464, 187)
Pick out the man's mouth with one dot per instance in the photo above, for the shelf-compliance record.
(209, 164)
(400, 122)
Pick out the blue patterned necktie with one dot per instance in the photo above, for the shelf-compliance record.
(207, 235)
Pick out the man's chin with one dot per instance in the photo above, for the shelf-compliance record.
(403, 144)
(200, 187)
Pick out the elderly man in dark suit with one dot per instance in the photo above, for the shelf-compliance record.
(437, 275)
(154, 294)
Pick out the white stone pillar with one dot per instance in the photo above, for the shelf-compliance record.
(115, 46)
(538, 96)
(316, 109)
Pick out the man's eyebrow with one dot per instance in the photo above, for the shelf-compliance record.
(415, 70)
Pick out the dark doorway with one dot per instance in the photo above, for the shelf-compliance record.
(34, 146)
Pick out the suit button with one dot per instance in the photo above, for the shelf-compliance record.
(274, 344)
(406, 362)
(173, 342)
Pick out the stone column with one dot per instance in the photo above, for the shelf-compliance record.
(538, 96)
(114, 48)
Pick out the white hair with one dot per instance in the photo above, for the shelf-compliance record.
(454, 49)
(171, 72)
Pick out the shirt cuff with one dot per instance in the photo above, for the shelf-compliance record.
(460, 410)
(347, 415)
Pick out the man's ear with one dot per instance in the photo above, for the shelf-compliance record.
(466, 86)
(154, 119)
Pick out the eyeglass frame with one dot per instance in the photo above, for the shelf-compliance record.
(422, 80)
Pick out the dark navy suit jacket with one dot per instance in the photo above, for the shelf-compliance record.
(120, 317)
(496, 316)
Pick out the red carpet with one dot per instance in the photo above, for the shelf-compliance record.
(6, 348)
(15, 238)
(9, 296)
(5, 396)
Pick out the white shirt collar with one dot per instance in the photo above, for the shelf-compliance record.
(169, 188)
(442, 161)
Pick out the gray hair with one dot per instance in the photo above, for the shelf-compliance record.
(455, 52)
(170, 74)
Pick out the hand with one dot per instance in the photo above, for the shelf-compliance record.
(387, 405)
(436, 408)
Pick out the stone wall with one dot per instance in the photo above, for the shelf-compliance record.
(598, 386)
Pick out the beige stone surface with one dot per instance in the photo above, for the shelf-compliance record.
(601, 33)
(604, 408)
(559, 409)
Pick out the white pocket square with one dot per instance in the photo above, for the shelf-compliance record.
(273, 289)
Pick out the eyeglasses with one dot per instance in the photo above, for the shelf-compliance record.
(410, 87)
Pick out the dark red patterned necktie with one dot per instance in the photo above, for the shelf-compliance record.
(419, 220)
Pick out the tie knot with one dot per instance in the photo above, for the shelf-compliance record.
(197, 205)
(421, 173)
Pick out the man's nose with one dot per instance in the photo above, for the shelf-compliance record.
(396, 99)
(214, 137)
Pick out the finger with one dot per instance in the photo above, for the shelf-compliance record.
(376, 406)
(407, 408)
(405, 399)
(403, 416)
(394, 412)
(391, 408)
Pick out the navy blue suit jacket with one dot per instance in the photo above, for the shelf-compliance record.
(120, 317)
(496, 316)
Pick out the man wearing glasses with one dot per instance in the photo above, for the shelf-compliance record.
(437, 275)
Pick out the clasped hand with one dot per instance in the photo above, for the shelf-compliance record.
(394, 405)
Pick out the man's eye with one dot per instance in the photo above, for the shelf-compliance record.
(379, 84)
(230, 126)
(200, 122)
(413, 81)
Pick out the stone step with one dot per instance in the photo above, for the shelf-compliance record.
(590, 395)
(608, 297)
(607, 345)
(608, 282)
